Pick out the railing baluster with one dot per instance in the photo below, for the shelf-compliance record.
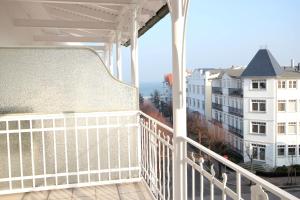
(164, 168)
(168, 167)
(32, 155)
(44, 153)
(98, 149)
(54, 147)
(224, 186)
(21, 154)
(193, 177)
(88, 148)
(119, 147)
(147, 152)
(8, 155)
(129, 149)
(212, 192)
(159, 164)
(108, 148)
(201, 161)
(238, 185)
(66, 150)
(77, 153)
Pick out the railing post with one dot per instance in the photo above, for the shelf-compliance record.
(178, 11)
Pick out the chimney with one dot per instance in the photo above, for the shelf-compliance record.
(292, 63)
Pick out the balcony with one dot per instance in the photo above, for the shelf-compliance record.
(217, 106)
(71, 129)
(235, 131)
(235, 111)
(217, 90)
(238, 92)
(86, 151)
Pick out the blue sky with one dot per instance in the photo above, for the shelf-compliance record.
(220, 34)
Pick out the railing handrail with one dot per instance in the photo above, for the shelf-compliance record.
(265, 184)
(157, 122)
(8, 117)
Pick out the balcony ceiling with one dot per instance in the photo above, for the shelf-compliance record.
(65, 22)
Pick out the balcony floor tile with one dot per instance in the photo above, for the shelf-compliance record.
(128, 191)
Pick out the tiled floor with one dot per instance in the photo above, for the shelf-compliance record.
(130, 191)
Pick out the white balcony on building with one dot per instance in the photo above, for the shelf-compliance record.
(71, 129)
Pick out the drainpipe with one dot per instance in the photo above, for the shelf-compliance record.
(178, 10)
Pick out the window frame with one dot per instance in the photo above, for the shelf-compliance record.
(291, 124)
(290, 147)
(259, 125)
(259, 102)
(281, 147)
(278, 125)
(259, 84)
(281, 102)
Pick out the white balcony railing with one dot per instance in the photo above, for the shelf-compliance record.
(41, 152)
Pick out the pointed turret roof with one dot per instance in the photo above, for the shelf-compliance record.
(263, 64)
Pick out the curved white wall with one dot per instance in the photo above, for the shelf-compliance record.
(55, 80)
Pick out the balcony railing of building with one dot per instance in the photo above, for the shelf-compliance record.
(217, 106)
(217, 90)
(235, 92)
(41, 152)
(235, 111)
(235, 131)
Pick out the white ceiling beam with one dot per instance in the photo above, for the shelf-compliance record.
(102, 2)
(84, 11)
(64, 24)
(56, 38)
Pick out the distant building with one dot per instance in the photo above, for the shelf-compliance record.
(257, 106)
(199, 90)
(271, 111)
(166, 95)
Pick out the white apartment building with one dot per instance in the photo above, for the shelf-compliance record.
(227, 106)
(271, 111)
(260, 108)
(199, 91)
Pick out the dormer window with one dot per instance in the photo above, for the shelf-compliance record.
(259, 84)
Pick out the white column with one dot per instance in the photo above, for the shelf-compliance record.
(119, 54)
(110, 61)
(105, 56)
(134, 49)
(178, 11)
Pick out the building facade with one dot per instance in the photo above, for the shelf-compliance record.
(199, 91)
(271, 111)
(227, 106)
(258, 108)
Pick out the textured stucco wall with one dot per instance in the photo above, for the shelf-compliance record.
(55, 80)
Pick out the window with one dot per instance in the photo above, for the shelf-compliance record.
(258, 105)
(259, 84)
(281, 84)
(258, 128)
(292, 106)
(292, 127)
(281, 105)
(281, 150)
(258, 152)
(292, 84)
(281, 128)
(203, 89)
(292, 150)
